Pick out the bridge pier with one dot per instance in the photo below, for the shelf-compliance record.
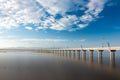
(78, 54)
(83, 55)
(91, 56)
(59, 52)
(100, 57)
(66, 53)
(62, 51)
(74, 53)
(53, 52)
(112, 58)
(70, 53)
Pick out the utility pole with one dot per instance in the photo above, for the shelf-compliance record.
(108, 44)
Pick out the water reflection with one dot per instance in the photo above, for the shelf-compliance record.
(82, 57)
(37, 66)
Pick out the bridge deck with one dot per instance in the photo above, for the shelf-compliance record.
(97, 48)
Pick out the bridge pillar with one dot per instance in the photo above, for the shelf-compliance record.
(69, 53)
(83, 55)
(53, 52)
(59, 52)
(112, 58)
(100, 57)
(63, 52)
(66, 53)
(91, 56)
(73, 53)
(78, 54)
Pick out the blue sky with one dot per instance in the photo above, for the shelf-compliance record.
(59, 23)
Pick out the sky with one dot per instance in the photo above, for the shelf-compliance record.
(59, 23)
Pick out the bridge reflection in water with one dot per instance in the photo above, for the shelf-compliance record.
(75, 53)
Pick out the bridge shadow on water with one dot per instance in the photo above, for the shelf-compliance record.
(41, 66)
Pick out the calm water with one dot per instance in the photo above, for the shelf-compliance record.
(34, 66)
(105, 58)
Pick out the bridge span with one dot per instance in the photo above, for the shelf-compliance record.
(75, 52)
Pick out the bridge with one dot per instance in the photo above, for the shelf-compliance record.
(75, 52)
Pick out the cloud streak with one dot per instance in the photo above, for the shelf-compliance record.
(49, 14)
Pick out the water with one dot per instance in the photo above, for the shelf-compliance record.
(105, 57)
(38, 66)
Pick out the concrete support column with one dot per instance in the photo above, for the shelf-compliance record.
(100, 57)
(55, 52)
(69, 53)
(59, 53)
(52, 52)
(83, 55)
(91, 56)
(78, 54)
(112, 58)
(66, 52)
(73, 53)
(63, 53)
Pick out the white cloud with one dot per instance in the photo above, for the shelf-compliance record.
(15, 12)
(42, 13)
(28, 28)
(94, 7)
(64, 23)
(86, 18)
(82, 25)
(58, 6)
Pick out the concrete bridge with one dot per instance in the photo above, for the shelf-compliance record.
(76, 53)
